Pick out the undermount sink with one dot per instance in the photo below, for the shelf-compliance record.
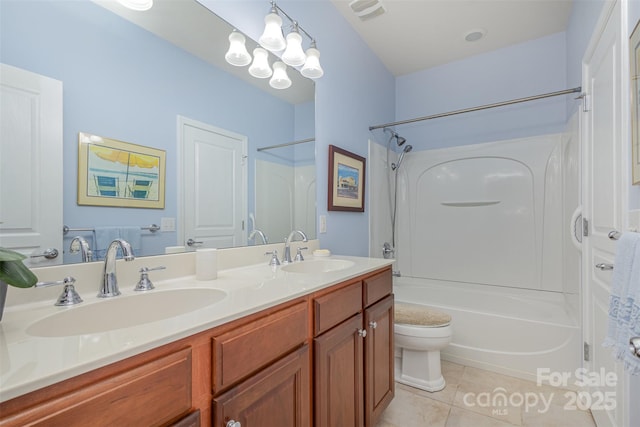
(124, 311)
(317, 266)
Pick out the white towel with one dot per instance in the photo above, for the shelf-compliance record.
(624, 302)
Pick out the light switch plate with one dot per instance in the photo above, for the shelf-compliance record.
(323, 223)
(167, 224)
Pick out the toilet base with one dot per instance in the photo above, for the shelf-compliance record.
(419, 369)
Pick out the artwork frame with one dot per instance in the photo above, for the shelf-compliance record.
(634, 86)
(346, 180)
(120, 174)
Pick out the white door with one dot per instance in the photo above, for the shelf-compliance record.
(603, 197)
(31, 164)
(212, 186)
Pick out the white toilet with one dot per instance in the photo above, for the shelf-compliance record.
(420, 333)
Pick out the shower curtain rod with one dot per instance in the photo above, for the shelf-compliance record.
(286, 144)
(481, 107)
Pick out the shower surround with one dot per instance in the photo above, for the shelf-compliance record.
(483, 233)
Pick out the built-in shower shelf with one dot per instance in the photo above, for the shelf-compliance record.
(470, 204)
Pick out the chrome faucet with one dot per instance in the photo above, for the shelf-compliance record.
(109, 285)
(255, 232)
(286, 258)
(79, 244)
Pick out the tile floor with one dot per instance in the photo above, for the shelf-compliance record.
(472, 397)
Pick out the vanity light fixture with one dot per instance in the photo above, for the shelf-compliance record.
(139, 5)
(237, 54)
(272, 40)
(280, 79)
(260, 66)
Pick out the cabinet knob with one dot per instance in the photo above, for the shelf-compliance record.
(362, 332)
(373, 324)
(233, 423)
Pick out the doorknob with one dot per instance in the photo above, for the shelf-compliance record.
(604, 267)
(192, 242)
(49, 253)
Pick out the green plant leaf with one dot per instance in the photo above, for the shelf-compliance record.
(10, 255)
(17, 274)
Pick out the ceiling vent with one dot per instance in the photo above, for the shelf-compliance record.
(367, 9)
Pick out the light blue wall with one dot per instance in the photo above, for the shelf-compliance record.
(355, 92)
(122, 82)
(518, 71)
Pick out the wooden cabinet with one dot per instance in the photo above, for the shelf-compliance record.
(353, 352)
(154, 393)
(303, 362)
(277, 396)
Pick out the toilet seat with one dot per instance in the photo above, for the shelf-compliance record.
(419, 316)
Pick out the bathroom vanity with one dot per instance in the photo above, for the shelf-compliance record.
(282, 348)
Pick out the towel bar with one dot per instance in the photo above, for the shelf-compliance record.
(152, 228)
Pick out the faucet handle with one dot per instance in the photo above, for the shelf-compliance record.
(274, 257)
(69, 295)
(144, 284)
(299, 256)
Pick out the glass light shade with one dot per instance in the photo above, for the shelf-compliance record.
(140, 5)
(294, 55)
(260, 66)
(237, 54)
(272, 39)
(280, 79)
(312, 68)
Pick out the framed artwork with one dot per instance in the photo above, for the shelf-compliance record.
(346, 180)
(634, 62)
(120, 174)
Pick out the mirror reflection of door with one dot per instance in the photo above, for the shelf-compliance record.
(213, 183)
(31, 164)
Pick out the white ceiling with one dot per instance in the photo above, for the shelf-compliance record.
(413, 35)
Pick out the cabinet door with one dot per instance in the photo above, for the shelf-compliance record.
(379, 359)
(339, 397)
(277, 396)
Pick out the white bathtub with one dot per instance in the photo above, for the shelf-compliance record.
(506, 330)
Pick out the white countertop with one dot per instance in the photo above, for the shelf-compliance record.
(28, 363)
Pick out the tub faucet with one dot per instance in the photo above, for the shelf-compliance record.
(80, 244)
(286, 258)
(109, 285)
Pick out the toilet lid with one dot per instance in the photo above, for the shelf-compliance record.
(415, 314)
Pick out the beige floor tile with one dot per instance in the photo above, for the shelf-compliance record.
(459, 417)
(557, 416)
(411, 410)
(490, 394)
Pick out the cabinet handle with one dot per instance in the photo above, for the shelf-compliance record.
(373, 324)
(233, 423)
(362, 332)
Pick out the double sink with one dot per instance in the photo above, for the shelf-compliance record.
(146, 307)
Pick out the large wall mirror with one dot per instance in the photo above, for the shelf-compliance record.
(132, 76)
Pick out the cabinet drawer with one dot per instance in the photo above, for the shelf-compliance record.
(377, 287)
(333, 308)
(152, 394)
(242, 351)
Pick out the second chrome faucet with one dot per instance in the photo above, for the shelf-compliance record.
(286, 258)
(109, 284)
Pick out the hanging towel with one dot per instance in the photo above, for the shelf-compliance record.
(624, 301)
(133, 235)
(104, 236)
